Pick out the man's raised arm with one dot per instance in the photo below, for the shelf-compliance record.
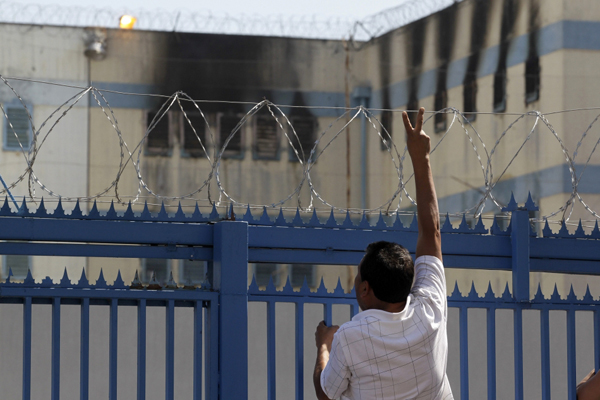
(429, 241)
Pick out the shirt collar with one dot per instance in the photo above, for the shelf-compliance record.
(381, 314)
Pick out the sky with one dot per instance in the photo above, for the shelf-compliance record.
(346, 9)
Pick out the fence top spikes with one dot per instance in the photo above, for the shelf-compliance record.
(101, 282)
(588, 296)
(322, 290)
(512, 204)
(270, 286)
(129, 211)
(118, 283)
(530, 204)
(136, 283)
(287, 289)
(65, 281)
(171, 284)
(555, 295)
(473, 293)
(29, 278)
(248, 215)
(314, 220)
(264, 218)
(5, 210)
(162, 214)
(489, 294)
(112, 213)
(304, 289)
(83, 281)
(456, 292)
(447, 227)
(547, 232)
(59, 210)
(331, 222)
(76, 212)
(280, 221)
(94, 211)
(23, 209)
(571, 296)
(539, 296)
(297, 221)
(196, 214)
(506, 295)
(338, 288)
(10, 274)
(348, 221)
(579, 232)
(214, 214)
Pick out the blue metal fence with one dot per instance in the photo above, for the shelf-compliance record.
(229, 245)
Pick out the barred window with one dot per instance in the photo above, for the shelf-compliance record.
(387, 120)
(266, 138)
(470, 98)
(440, 102)
(500, 91)
(17, 128)
(227, 123)
(300, 271)
(532, 79)
(158, 141)
(190, 144)
(305, 128)
(159, 266)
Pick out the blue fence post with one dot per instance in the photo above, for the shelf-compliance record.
(230, 278)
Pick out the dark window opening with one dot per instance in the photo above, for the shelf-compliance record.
(266, 138)
(305, 128)
(387, 121)
(227, 124)
(158, 266)
(413, 107)
(470, 99)
(300, 271)
(158, 141)
(190, 144)
(500, 91)
(20, 132)
(532, 79)
(192, 272)
(440, 102)
(264, 272)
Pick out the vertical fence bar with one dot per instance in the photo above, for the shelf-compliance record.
(211, 351)
(327, 317)
(491, 352)
(26, 348)
(55, 390)
(271, 356)
(84, 350)
(571, 366)
(300, 350)
(230, 278)
(518, 343)
(596, 340)
(197, 374)
(170, 351)
(545, 339)
(354, 309)
(464, 353)
(112, 350)
(141, 351)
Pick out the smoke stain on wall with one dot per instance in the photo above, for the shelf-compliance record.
(385, 78)
(509, 16)
(415, 42)
(445, 44)
(532, 65)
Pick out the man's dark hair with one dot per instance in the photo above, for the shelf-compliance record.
(389, 269)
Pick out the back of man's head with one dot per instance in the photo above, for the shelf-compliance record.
(389, 269)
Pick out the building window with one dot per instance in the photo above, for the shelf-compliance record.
(158, 128)
(227, 123)
(192, 272)
(19, 264)
(266, 138)
(532, 79)
(160, 267)
(305, 128)
(500, 91)
(17, 128)
(300, 271)
(191, 146)
(413, 106)
(387, 121)
(440, 102)
(470, 98)
(264, 272)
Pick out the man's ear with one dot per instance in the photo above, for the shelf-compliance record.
(364, 288)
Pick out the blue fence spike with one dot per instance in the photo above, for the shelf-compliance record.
(10, 273)
(146, 215)
(348, 224)
(364, 222)
(539, 296)
(253, 288)
(41, 210)
(162, 214)
(76, 213)
(94, 211)
(180, 215)
(171, 284)
(287, 289)
(47, 282)
(506, 295)
(547, 232)
(479, 227)
(118, 283)
(129, 215)
(489, 294)
(23, 210)
(495, 229)
(322, 290)
(154, 284)
(456, 294)
(587, 297)
(248, 215)
(555, 296)
(230, 213)
(398, 223)
(297, 221)
(111, 214)
(414, 224)
(381, 223)
(304, 289)
(83, 281)
(197, 215)
(136, 283)
(571, 297)
(563, 232)
(464, 226)
(65, 281)
(579, 232)
(512, 204)
(28, 279)
(5, 210)
(314, 220)
(264, 218)
(214, 214)
(331, 222)
(447, 227)
(473, 292)
(59, 211)
(280, 221)
(596, 231)
(530, 204)
(270, 286)
(339, 290)
(101, 282)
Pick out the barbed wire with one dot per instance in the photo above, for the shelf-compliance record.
(307, 158)
(303, 26)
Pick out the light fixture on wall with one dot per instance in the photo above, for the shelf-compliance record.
(127, 21)
(95, 43)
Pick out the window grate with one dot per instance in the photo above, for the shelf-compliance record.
(305, 128)
(191, 145)
(158, 141)
(20, 131)
(266, 138)
(387, 121)
(227, 123)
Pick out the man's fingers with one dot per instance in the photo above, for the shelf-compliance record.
(407, 124)
(419, 125)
